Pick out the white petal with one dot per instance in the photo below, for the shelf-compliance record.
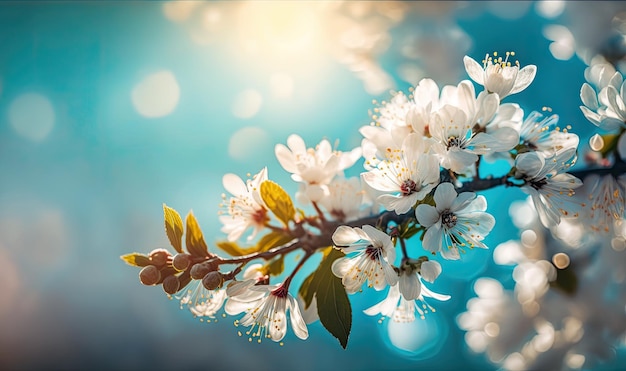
(278, 320)
(410, 286)
(432, 238)
(426, 215)
(589, 96)
(309, 315)
(530, 163)
(377, 180)
(400, 204)
(445, 194)
(593, 117)
(391, 277)
(378, 237)
(524, 77)
(341, 266)
(296, 144)
(297, 322)
(460, 159)
(345, 236)
(233, 184)
(461, 202)
(428, 293)
(451, 253)
(474, 70)
(285, 158)
(430, 270)
(610, 123)
(234, 306)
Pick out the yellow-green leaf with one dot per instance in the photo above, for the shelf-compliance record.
(173, 227)
(136, 259)
(271, 240)
(277, 266)
(194, 238)
(278, 201)
(233, 249)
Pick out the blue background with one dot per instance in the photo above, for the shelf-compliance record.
(92, 188)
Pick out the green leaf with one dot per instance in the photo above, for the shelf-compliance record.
(277, 266)
(333, 305)
(278, 201)
(136, 259)
(307, 290)
(194, 238)
(271, 240)
(173, 227)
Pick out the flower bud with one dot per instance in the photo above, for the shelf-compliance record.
(213, 280)
(149, 275)
(181, 261)
(171, 285)
(158, 257)
(200, 270)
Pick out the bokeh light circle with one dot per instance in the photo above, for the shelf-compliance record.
(417, 340)
(32, 116)
(156, 95)
(248, 142)
(247, 104)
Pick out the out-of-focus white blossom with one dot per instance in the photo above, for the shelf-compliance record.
(314, 167)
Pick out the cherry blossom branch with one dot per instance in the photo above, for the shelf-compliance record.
(618, 168)
(306, 257)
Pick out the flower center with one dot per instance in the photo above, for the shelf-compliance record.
(498, 61)
(280, 292)
(373, 252)
(448, 219)
(260, 216)
(538, 184)
(408, 187)
(454, 142)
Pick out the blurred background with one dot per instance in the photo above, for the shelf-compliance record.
(109, 109)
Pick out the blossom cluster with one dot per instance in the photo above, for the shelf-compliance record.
(414, 203)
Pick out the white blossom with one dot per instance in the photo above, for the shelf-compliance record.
(345, 200)
(499, 76)
(314, 167)
(400, 309)
(372, 262)
(202, 302)
(406, 175)
(245, 208)
(455, 222)
(548, 184)
(266, 308)
(458, 146)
